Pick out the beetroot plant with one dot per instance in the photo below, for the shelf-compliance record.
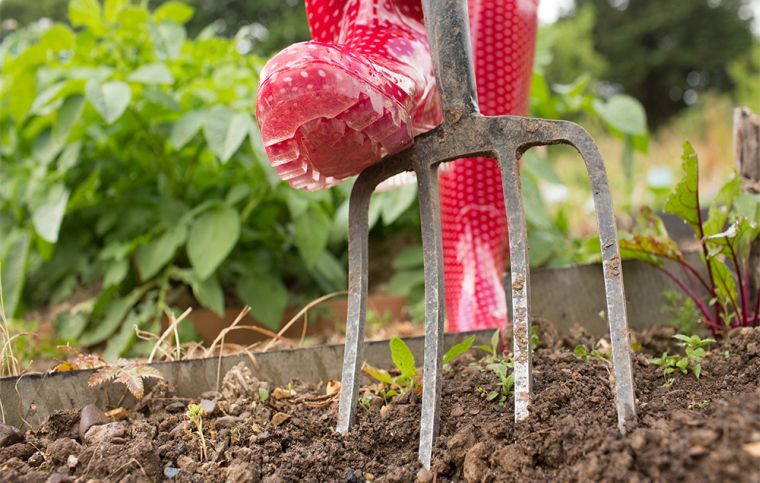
(721, 290)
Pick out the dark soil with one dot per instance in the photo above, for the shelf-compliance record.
(694, 430)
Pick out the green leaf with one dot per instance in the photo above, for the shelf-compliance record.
(68, 115)
(394, 202)
(69, 326)
(86, 13)
(212, 237)
(153, 73)
(403, 357)
(684, 201)
(110, 100)
(112, 9)
(458, 349)
(721, 205)
(168, 37)
(153, 256)
(14, 252)
(225, 131)
(312, 229)
(116, 273)
(210, 295)
(112, 318)
(378, 374)
(623, 113)
(404, 281)
(409, 257)
(184, 129)
(266, 295)
(175, 11)
(47, 217)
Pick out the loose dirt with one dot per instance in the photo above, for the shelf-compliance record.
(706, 430)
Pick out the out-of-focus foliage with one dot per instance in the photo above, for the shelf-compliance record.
(260, 26)
(130, 165)
(666, 53)
(745, 73)
(569, 51)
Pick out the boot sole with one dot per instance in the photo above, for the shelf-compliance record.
(321, 124)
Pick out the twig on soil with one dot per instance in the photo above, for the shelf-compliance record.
(127, 464)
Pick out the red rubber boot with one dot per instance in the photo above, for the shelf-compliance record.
(474, 223)
(362, 89)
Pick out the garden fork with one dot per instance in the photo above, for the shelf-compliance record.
(466, 133)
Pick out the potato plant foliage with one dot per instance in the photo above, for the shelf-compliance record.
(130, 164)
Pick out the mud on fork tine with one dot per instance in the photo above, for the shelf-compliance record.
(466, 133)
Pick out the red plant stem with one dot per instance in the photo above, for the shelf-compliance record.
(757, 304)
(694, 271)
(740, 280)
(693, 296)
(705, 252)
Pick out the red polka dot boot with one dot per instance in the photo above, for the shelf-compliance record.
(362, 89)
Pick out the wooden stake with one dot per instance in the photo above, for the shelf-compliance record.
(747, 147)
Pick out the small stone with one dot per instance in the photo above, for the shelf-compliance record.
(208, 406)
(176, 407)
(186, 463)
(171, 472)
(369, 477)
(696, 451)
(474, 411)
(474, 468)
(10, 435)
(457, 411)
(180, 428)
(117, 414)
(384, 410)
(105, 433)
(752, 448)
(279, 419)
(90, 416)
(72, 461)
(424, 476)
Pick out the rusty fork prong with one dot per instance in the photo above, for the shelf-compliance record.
(427, 182)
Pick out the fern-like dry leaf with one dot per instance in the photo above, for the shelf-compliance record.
(104, 374)
(132, 376)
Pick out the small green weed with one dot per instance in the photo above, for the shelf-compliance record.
(694, 346)
(407, 380)
(582, 352)
(506, 384)
(195, 414)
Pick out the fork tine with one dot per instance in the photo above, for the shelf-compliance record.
(427, 179)
(358, 263)
(518, 256)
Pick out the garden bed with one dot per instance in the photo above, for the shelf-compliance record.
(707, 429)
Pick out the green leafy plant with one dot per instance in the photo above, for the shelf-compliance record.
(407, 379)
(493, 349)
(694, 346)
(722, 297)
(506, 384)
(582, 352)
(195, 415)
